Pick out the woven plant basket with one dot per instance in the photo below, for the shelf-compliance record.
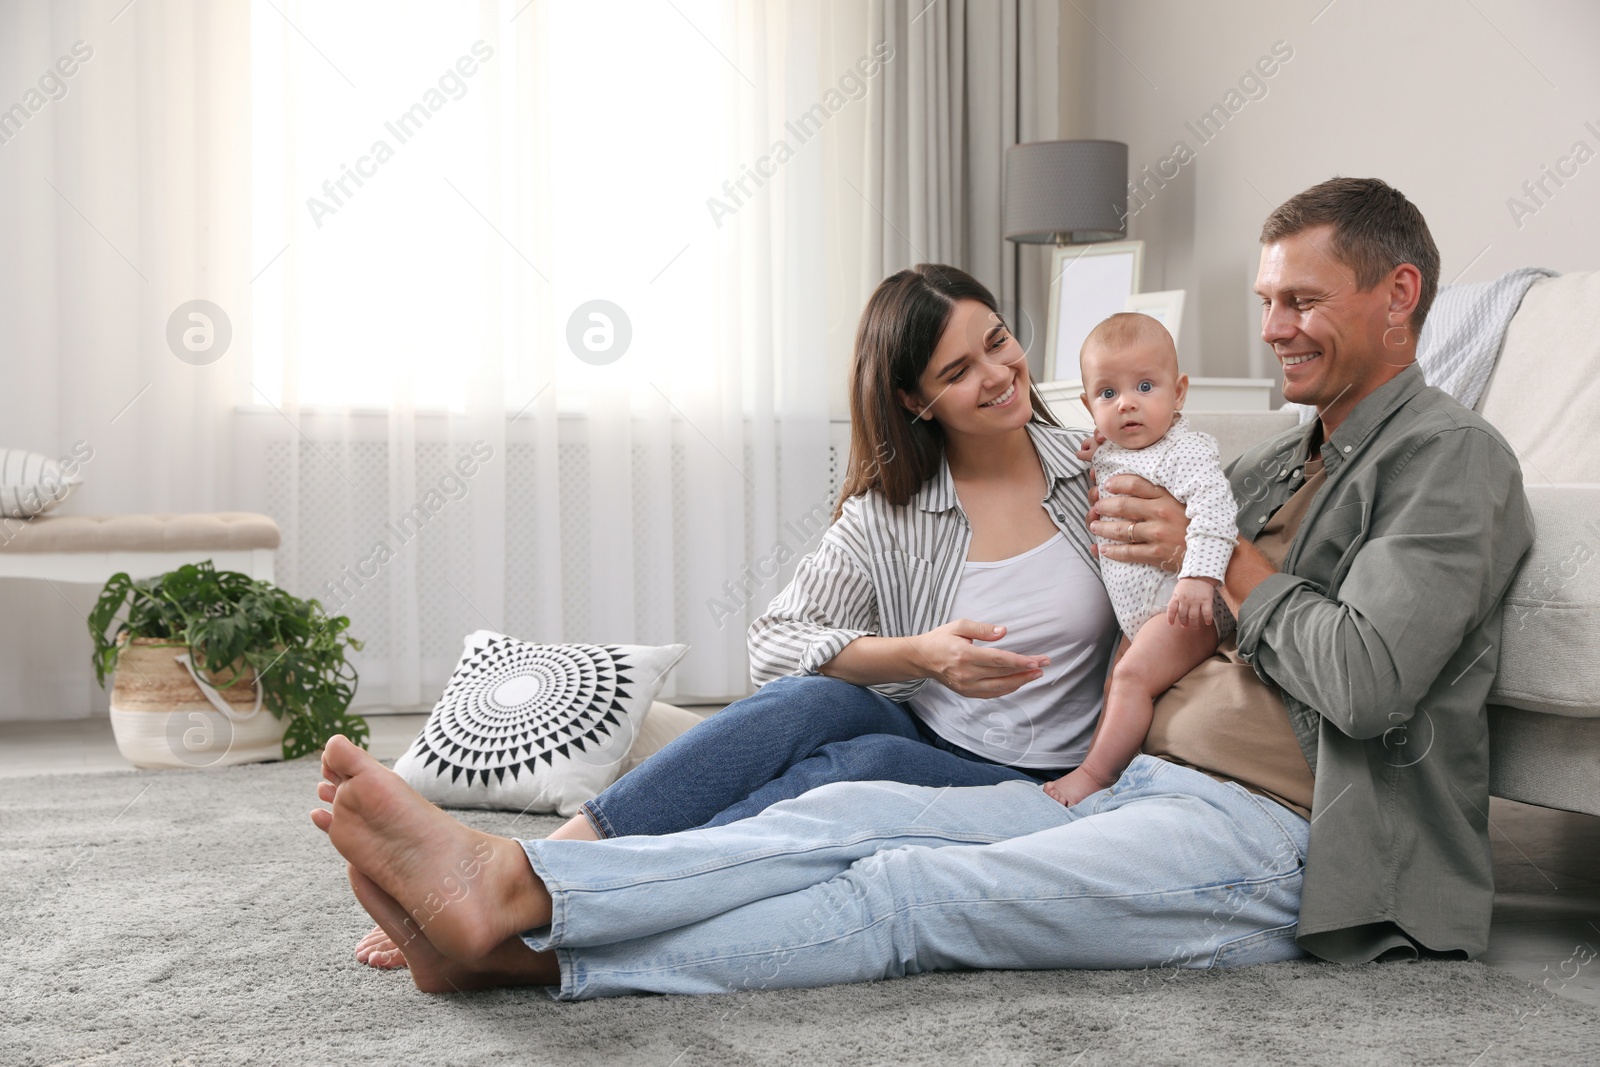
(163, 717)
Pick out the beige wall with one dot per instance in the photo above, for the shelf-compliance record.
(1456, 104)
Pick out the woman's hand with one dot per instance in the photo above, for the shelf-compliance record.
(949, 656)
(1147, 520)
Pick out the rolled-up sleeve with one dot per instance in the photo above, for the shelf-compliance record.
(829, 603)
(1444, 536)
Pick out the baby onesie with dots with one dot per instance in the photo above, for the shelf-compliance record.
(1188, 465)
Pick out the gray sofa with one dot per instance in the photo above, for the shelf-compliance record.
(1544, 397)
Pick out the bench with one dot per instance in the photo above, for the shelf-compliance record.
(91, 548)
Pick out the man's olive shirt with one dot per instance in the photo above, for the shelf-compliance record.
(1383, 631)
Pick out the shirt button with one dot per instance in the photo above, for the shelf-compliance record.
(1262, 519)
(1348, 447)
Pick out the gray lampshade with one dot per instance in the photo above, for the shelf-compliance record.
(1070, 192)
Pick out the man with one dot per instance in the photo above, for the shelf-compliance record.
(1319, 786)
(1383, 631)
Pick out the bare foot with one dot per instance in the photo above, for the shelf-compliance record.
(378, 950)
(1072, 787)
(511, 963)
(467, 892)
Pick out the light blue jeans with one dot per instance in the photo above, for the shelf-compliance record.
(858, 881)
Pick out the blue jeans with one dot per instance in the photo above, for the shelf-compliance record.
(795, 734)
(865, 880)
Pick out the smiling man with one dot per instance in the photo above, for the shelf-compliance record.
(1377, 542)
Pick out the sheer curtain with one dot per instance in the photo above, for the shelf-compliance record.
(539, 309)
(524, 277)
(123, 194)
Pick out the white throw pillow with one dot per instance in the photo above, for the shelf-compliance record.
(32, 484)
(530, 727)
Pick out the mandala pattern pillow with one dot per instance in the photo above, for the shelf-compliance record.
(530, 727)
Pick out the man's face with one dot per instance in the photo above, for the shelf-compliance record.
(1327, 335)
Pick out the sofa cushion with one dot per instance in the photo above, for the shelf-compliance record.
(1550, 639)
(1239, 431)
(1544, 395)
(1549, 760)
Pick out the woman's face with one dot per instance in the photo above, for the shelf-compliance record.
(977, 381)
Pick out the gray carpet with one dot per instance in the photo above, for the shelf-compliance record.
(198, 917)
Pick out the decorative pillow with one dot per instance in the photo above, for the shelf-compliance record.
(530, 727)
(32, 484)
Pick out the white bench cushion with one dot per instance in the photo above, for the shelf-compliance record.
(235, 530)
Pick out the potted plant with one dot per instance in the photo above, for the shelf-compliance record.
(200, 652)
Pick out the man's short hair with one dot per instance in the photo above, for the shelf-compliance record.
(1375, 229)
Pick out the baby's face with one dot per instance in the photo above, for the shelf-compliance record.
(1133, 391)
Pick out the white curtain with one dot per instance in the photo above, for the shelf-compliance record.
(123, 194)
(402, 209)
(972, 78)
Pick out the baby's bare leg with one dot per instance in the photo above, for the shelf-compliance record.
(1160, 654)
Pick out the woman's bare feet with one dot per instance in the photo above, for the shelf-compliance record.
(378, 949)
(465, 891)
(511, 963)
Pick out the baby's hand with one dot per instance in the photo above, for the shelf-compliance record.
(1190, 605)
(1072, 787)
(1086, 449)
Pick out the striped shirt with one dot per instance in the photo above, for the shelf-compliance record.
(890, 571)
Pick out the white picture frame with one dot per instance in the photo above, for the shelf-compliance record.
(1166, 307)
(1087, 283)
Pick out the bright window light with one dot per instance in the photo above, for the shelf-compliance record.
(384, 197)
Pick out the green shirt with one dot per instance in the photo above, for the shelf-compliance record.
(1383, 632)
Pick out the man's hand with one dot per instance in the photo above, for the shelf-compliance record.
(1148, 521)
(949, 656)
(1190, 605)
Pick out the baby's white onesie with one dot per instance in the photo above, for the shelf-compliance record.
(1187, 464)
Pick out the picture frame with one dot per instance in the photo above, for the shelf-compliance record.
(1087, 283)
(1166, 307)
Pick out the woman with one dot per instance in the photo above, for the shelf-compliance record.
(961, 521)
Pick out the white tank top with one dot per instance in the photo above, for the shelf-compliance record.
(1052, 604)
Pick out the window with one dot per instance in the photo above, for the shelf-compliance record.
(398, 151)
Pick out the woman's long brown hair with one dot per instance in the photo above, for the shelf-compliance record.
(891, 451)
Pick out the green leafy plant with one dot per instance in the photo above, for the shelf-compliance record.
(231, 622)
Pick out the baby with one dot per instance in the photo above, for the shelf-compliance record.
(1170, 625)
